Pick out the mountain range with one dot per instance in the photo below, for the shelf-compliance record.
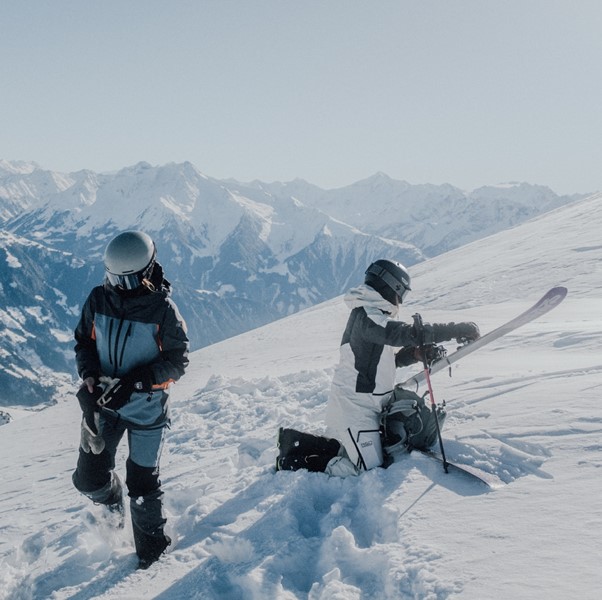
(240, 255)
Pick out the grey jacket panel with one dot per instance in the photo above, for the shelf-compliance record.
(123, 344)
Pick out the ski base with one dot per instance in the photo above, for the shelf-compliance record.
(490, 480)
(545, 304)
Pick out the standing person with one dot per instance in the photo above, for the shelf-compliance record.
(374, 344)
(131, 343)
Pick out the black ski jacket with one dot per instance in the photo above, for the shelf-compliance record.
(118, 332)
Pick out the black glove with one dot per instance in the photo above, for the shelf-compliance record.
(91, 440)
(431, 353)
(467, 332)
(406, 356)
(87, 402)
(461, 332)
(118, 395)
(413, 354)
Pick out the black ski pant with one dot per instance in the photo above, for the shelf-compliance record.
(95, 478)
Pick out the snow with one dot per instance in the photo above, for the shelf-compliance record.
(12, 261)
(526, 408)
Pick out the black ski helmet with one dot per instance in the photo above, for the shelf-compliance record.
(389, 278)
(129, 259)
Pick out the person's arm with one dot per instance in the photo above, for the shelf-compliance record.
(174, 348)
(399, 334)
(86, 355)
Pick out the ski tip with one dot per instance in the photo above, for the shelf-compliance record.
(559, 290)
(553, 297)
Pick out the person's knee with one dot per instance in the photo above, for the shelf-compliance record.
(341, 466)
(364, 448)
(93, 471)
(141, 481)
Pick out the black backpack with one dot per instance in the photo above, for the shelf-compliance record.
(407, 422)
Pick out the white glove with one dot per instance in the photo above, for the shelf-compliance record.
(91, 440)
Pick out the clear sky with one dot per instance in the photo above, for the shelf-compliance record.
(467, 92)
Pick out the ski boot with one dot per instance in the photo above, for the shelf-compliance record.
(150, 548)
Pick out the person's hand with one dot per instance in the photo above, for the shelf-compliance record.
(91, 439)
(118, 394)
(430, 352)
(406, 357)
(87, 396)
(466, 332)
(89, 383)
(461, 332)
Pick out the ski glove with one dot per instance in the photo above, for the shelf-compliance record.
(406, 356)
(90, 439)
(87, 401)
(118, 394)
(461, 332)
(412, 354)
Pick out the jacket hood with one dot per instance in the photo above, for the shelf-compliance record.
(365, 296)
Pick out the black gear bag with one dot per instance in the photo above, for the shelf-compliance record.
(408, 422)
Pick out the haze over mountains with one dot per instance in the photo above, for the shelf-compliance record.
(239, 254)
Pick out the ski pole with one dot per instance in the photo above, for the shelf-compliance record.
(418, 326)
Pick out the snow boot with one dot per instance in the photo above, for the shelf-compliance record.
(148, 522)
(111, 497)
(149, 548)
(116, 512)
(299, 450)
(111, 494)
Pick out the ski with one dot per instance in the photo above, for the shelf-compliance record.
(549, 301)
(490, 480)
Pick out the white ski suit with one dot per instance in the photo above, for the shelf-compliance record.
(364, 379)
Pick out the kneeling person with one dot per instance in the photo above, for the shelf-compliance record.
(374, 344)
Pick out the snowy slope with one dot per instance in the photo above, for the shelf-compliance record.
(525, 408)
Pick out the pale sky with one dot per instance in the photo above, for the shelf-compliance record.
(467, 92)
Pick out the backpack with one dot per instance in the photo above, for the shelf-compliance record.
(298, 450)
(407, 422)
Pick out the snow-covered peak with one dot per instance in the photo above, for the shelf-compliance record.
(379, 179)
(519, 192)
(17, 167)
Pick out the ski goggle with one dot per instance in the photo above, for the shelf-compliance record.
(402, 294)
(130, 281)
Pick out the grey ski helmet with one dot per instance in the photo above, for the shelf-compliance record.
(129, 259)
(389, 278)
